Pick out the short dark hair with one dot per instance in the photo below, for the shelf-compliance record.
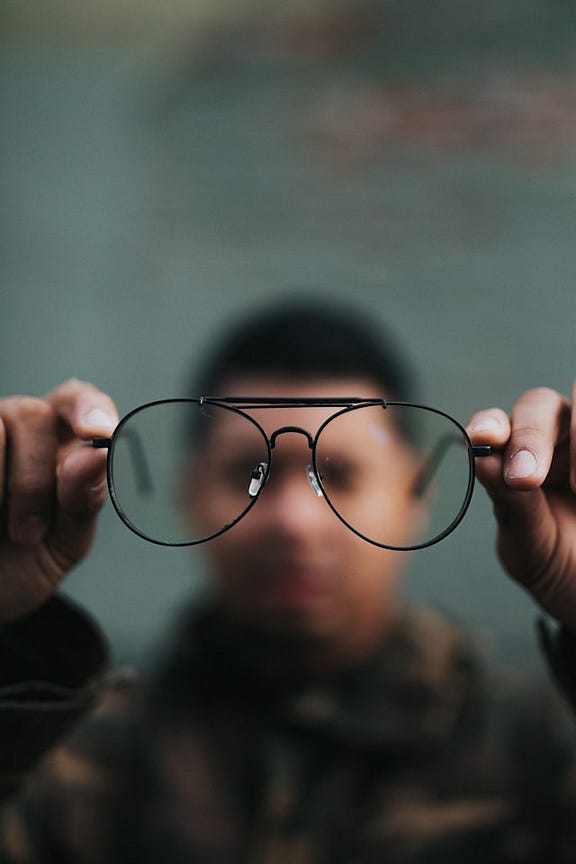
(305, 338)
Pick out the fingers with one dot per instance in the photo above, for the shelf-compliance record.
(491, 426)
(527, 441)
(527, 476)
(86, 410)
(81, 493)
(82, 482)
(30, 442)
(40, 469)
(540, 423)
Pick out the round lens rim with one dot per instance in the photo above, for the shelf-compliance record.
(115, 437)
(469, 487)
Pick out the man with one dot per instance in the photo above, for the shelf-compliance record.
(304, 715)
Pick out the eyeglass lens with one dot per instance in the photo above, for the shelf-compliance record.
(183, 471)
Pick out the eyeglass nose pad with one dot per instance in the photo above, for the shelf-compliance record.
(257, 479)
(313, 480)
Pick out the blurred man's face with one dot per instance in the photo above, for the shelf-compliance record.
(290, 566)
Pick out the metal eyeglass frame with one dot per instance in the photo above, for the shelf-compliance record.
(239, 405)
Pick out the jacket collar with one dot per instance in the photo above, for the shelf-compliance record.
(411, 694)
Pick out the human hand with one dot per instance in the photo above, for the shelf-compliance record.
(531, 479)
(51, 489)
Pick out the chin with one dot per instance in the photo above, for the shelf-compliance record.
(295, 622)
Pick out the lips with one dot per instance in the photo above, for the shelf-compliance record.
(290, 585)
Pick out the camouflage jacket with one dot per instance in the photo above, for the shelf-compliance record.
(228, 757)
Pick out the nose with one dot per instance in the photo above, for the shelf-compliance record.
(291, 504)
(291, 499)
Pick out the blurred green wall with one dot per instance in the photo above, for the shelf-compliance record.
(162, 172)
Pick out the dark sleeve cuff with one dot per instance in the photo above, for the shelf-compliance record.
(50, 666)
(58, 644)
(558, 645)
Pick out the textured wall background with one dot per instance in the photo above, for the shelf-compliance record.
(166, 165)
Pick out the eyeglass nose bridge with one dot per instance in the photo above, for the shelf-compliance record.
(310, 473)
(297, 429)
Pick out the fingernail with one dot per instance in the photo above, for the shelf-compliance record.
(29, 530)
(100, 420)
(522, 464)
(485, 424)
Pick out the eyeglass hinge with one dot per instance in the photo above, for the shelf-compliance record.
(101, 443)
(481, 450)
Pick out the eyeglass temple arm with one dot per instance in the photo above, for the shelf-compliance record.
(138, 456)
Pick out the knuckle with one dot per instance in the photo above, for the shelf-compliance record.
(36, 410)
(28, 491)
(527, 434)
(28, 410)
(97, 498)
(544, 392)
(32, 478)
(541, 400)
(28, 507)
(73, 387)
(27, 438)
(71, 383)
(537, 397)
(526, 431)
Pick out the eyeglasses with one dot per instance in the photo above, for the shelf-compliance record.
(184, 471)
